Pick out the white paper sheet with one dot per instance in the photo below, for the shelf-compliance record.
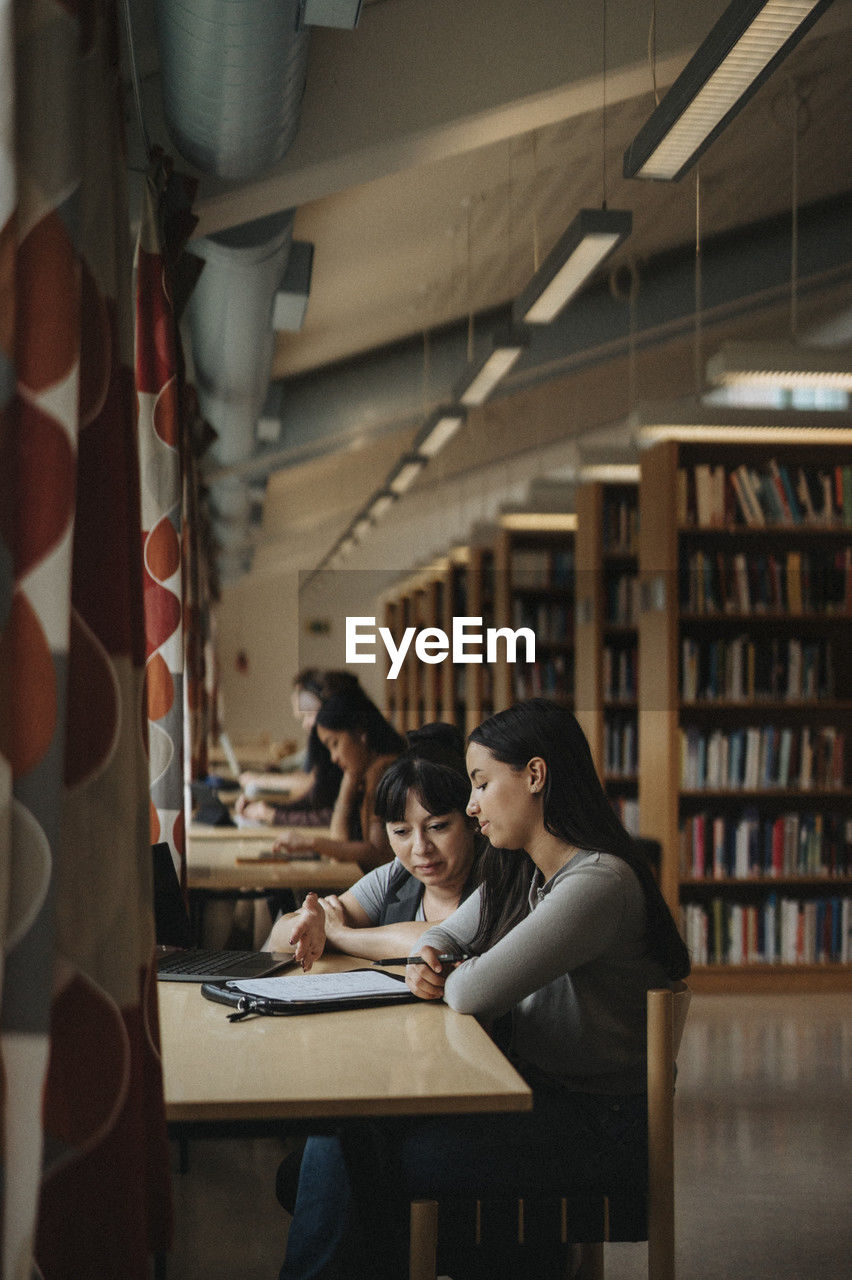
(353, 985)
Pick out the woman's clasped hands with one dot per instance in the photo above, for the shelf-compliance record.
(427, 980)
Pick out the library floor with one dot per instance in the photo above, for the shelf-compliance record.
(764, 1158)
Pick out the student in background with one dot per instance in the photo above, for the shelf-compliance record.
(565, 936)
(362, 743)
(312, 791)
(421, 799)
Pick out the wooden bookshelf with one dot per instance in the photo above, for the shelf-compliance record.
(480, 677)
(745, 691)
(534, 587)
(606, 637)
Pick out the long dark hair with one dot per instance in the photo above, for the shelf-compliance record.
(576, 810)
(353, 711)
(433, 767)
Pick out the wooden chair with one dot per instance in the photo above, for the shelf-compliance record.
(667, 1012)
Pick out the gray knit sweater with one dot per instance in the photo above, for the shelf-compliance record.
(573, 974)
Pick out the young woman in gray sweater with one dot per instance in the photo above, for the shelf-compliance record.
(556, 951)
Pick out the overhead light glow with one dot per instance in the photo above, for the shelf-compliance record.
(780, 365)
(749, 41)
(381, 504)
(482, 378)
(440, 428)
(589, 240)
(405, 475)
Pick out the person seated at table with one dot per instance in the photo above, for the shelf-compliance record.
(362, 743)
(421, 799)
(437, 848)
(313, 789)
(556, 950)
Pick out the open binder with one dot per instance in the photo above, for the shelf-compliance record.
(309, 993)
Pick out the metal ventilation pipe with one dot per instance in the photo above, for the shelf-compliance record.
(233, 76)
(230, 324)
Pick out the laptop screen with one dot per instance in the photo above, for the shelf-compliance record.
(171, 922)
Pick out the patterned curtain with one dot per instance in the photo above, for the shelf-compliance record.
(86, 1183)
(164, 457)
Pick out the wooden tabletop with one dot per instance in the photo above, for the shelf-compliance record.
(213, 855)
(409, 1059)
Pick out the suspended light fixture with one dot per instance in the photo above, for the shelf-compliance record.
(785, 365)
(440, 427)
(481, 379)
(589, 240)
(361, 527)
(406, 472)
(749, 41)
(380, 505)
(691, 420)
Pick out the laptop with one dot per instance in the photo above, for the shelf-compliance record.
(177, 959)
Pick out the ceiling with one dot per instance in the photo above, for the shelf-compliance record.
(445, 144)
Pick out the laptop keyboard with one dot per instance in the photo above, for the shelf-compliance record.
(209, 961)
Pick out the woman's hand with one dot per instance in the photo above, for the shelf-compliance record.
(427, 980)
(255, 810)
(336, 922)
(296, 843)
(307, 933)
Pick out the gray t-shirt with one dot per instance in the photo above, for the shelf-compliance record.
(573, 974)
(372, 890)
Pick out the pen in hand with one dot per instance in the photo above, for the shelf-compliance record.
(420, 960)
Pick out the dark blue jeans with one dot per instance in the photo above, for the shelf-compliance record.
(351, 1213)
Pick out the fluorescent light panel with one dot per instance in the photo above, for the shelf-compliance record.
(767, 434)
(380, 505)
(440, 428)
(540, 521)
(611, 472)
(589, 240)
(406, 473)
(360, 527)
(743, 49)
(781, 365)
(482, 379)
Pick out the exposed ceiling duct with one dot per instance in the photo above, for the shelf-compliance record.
(233, 76)
(232, 339)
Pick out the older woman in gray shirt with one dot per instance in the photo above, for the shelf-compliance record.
(556, 952)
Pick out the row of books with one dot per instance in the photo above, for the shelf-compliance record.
(621, 747)
(620, 525)
(755, 758)
(779, 931)
(552, 621)
(751, 669)
(553, 678)
(750, 846)
(535, 568)
(714, 496)
(798, 582)
(619, 673)
(622, 600)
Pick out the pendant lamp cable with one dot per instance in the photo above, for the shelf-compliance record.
(134, 78)
(698, 345)
(536, 246)
(603, 110)
(652, 51)
(468, 203)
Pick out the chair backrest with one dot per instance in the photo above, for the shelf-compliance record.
(667, 1010)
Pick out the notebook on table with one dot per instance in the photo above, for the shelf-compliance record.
(177, 959)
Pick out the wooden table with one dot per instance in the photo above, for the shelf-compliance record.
(409, 1059)
(212, 854)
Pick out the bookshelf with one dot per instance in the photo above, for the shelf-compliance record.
(745, 692)
(534, 587)
(606, 637)
(480, 677)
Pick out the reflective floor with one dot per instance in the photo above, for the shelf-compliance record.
(764, 1158)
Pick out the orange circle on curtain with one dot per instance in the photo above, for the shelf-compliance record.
(48, 301)
(161, 689)
(162, 551)
(166, 413)
(28, 701)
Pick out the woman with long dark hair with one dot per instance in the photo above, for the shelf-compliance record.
(556, 951)
(362, 743)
